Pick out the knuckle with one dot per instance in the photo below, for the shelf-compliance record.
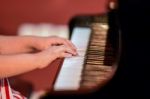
(62, 48)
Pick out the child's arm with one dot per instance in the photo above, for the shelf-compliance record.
(23, 44)
(11, 65)
(15, 44)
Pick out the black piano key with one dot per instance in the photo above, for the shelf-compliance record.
(98, 68)
(94, 78)
(94, 73)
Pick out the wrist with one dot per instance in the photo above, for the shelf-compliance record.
(34, 42)
(43, 59)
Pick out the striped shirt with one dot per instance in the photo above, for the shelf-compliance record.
(6, 92)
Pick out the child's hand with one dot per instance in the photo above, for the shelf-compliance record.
(54, 52)
(46, 42)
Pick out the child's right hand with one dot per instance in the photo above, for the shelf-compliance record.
(54, 52)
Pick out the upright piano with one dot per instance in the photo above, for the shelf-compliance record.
(98, 42)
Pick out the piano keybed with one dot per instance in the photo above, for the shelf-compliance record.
(99, 59)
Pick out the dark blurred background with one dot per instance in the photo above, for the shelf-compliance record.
(14, 13)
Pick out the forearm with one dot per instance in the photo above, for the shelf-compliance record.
(11, 65)
(16, 44)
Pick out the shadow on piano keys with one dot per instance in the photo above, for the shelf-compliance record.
(98, 41)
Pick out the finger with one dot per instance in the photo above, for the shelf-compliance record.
(67, 55)
(67, 49)
(64, 42)
(67, 43)
(60, 41)
(71, 44)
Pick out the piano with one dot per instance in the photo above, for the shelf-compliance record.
(98, 42)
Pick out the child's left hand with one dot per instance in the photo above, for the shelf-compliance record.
(43, 43)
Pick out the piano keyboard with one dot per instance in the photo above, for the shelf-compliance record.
(99, 59)
(93, 64)
(70, 74)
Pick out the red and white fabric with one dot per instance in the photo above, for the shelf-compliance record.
(6, 92)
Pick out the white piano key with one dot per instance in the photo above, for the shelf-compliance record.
(70, 73)
(79, 57)
(75, 69)
(69, 81)
(66, 86)
(66, 80)
(71, 62)
(80, 37)
(73, 66)
(70, 76)
(81, 53)
(74, 59)
(73, 78)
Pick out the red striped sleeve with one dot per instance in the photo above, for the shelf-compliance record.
(7, 93)
(0, 90)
